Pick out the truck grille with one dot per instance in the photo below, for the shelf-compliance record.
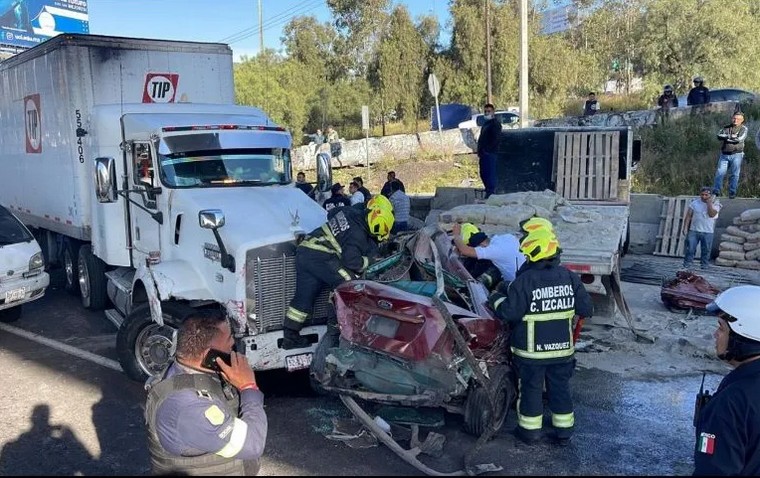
(271, 284)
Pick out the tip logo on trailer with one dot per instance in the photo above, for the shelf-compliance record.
(160, 87)
(32, 123)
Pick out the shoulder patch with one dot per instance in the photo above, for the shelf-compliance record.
(214, 415)
(707, 443)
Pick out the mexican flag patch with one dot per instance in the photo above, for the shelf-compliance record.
(706, 443)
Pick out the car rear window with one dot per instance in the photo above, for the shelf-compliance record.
(11, 230)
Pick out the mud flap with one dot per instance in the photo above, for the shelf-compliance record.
(144, 274)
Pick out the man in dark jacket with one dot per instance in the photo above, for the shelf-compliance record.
(728, 422)
(591, 106)
(667, 99)
(365, 192)
(337, 198)
(540, 305)
(201, 420)
(700, 94)
(732, 138)
(488, 147)
(334, 253)
(386, 189)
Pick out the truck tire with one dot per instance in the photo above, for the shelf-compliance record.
(10, 315)
(477, 409)
(144, 347)
(70, 262)
(92, 279)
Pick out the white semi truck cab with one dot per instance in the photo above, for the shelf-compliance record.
(157, 207)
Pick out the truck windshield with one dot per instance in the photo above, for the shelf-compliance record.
(219, 159)
(11, 230)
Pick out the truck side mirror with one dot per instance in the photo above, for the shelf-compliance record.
(105, 180)
(211, 218)
(324, 172)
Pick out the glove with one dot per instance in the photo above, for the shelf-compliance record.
(495, 300)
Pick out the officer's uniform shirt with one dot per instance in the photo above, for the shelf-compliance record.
(728, 429)
(190, 424)
(503, 251)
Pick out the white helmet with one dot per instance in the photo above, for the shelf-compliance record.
(740, 303)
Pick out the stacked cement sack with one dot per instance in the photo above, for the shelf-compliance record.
(740, 245)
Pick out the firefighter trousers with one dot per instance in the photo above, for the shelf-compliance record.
(314, 271)
(532, 375)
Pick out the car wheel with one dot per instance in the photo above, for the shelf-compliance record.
(10, 315)
(478, 416)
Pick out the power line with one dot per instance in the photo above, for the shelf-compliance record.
(287, 14)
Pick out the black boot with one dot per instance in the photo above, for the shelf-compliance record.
(292, 339)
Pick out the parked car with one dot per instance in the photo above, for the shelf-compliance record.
(22, 267)
(504, 117)
(724, 94)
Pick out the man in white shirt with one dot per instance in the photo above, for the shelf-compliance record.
(699, 227)
(503, 250)
(355, 194)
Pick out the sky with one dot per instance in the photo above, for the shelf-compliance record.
(234, 22)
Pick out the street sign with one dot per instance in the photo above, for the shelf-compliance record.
(434, 85)
(365, 118)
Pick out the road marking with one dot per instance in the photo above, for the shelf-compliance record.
(54, 344)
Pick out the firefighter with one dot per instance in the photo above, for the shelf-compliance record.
(728, 422)
(539, 306)
(336, 252)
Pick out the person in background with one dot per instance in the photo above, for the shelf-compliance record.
(355, 196)
(699, 227)
(205, 421)
(700, 94)
(301, 184)
(591, 106)
(402, 206)
(332, 135)
(318, 137)
(367, 195)
(728, 421)
(667, 99)
(488, 148)
(386, 190)
(732, 139)
(338, 198)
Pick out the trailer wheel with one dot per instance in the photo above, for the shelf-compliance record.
(92, 279)
(144, 347)
(10, 315)
(70, 268)
(477, 409)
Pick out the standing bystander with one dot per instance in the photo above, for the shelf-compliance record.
(699, 227)
(488, 147)
(732, 138)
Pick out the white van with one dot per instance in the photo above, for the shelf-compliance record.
(22, 268)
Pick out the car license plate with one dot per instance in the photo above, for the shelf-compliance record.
(298, 362)
(15, 294)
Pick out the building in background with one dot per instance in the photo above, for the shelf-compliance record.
(27, 23)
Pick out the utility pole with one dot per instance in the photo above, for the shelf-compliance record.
(261, 29)
(523, 63)
(488, 53)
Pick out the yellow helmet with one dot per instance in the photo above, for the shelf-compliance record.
(536, 223)
(539, 244)
(379, 202)
(380, 223)
(468, 229)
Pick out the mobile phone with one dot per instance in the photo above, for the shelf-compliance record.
(209, 361)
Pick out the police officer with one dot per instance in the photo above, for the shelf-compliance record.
(203, 421)
(539, 306)
(728, 426)
(700, 94)
(334, 253)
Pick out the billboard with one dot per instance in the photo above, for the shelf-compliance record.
(556, 20)
(26, 23)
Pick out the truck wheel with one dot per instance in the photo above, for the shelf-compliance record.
(70, 268)
(10, 315)
(144, 347)
(92, 279)
(477, 409)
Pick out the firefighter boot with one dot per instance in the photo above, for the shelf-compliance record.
(291, 336)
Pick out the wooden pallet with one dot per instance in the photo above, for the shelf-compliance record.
(586, 165)
(670, 241)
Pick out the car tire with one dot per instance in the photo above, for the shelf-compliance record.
(477, 409)
(10, 315)
(318, 363)
(144, 347)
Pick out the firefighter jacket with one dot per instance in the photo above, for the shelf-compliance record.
(199, 425)
(728, 427)
(540, 305)
(346, 236)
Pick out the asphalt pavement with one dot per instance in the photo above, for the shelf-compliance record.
(68, 410)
